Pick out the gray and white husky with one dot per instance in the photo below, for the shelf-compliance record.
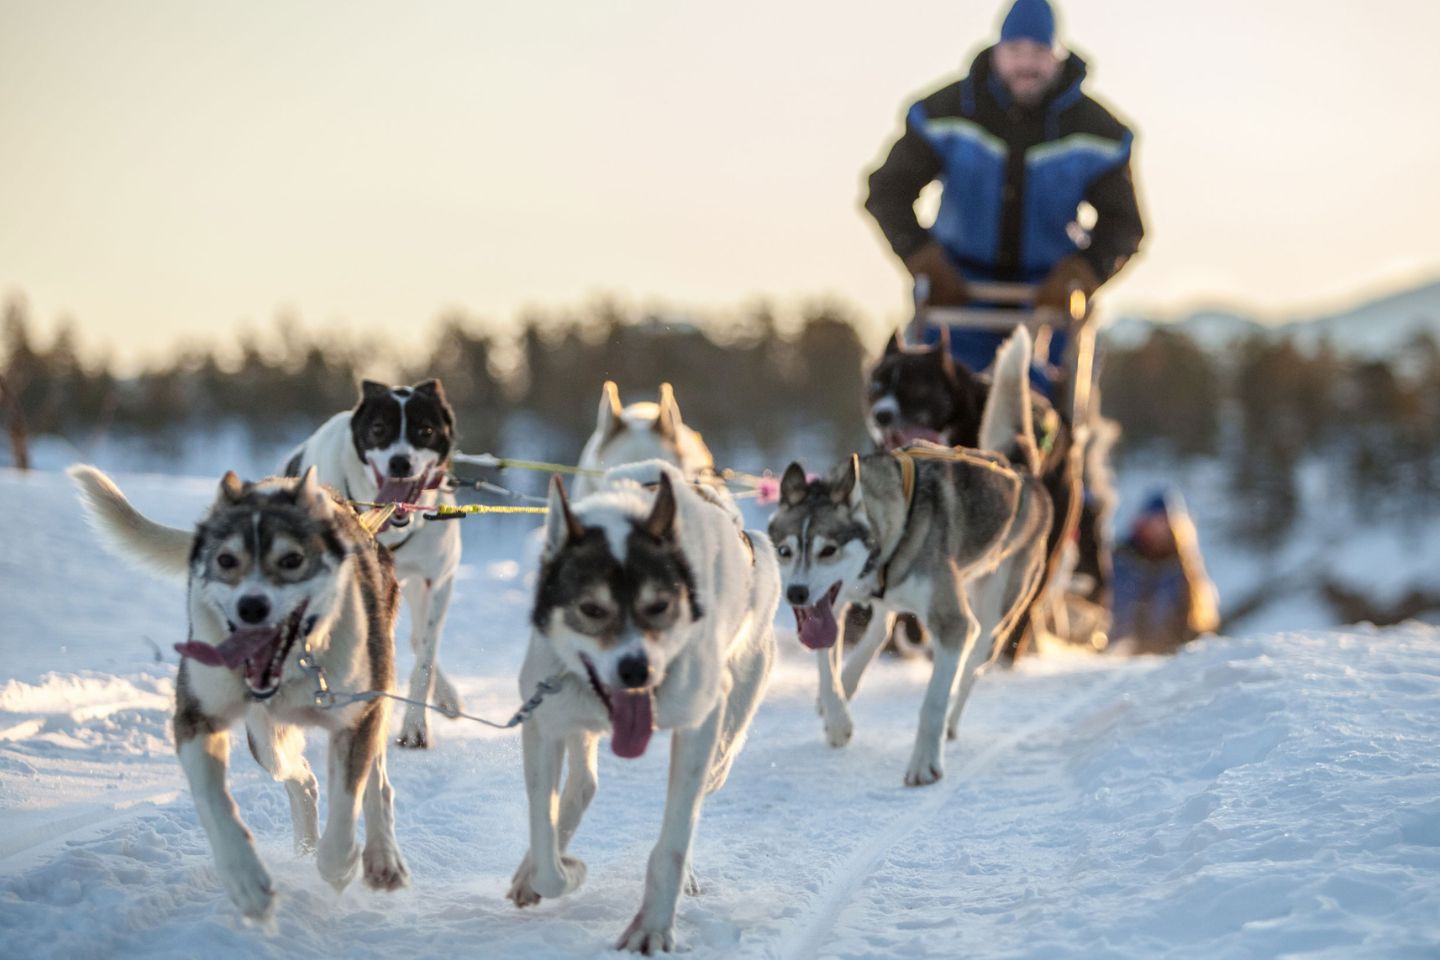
(274, 565)
(955, 537)
(655, 611)
(395, 446)
(641, 431)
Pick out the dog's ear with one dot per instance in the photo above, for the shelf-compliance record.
(661, 522)
(231, 487)
(792, 485)
(561, 527)
(435, 390)
(609, 422)
(309, 493)
(896, 343)
(373, 390)
(847, 485)
(667, 424)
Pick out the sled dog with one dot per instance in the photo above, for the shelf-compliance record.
(395, 446)
(272, 567)
(641, 431)
(955, 537)
(653, 611)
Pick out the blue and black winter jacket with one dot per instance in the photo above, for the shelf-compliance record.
(1013, 179)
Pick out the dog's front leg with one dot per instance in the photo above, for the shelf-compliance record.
(352, 756)
(954, 631)
(203, 756)
(691, 754)
(429, 602)
(384, 866)
(545, 872)
(877, 630)
(838, 726)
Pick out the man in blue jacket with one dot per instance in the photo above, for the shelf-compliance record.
(1018, 147)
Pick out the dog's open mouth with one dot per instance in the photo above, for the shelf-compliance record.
(816, 624)
(261, 651)
(897, 437)
(632, 714)
(400, 490)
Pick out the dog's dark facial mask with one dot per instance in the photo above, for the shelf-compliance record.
(617, 614)
(404, 436)
(922, 394)
(265, 558)
(822, 544)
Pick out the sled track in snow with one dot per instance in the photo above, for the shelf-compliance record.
(811, 934)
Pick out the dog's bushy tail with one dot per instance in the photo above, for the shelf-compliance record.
(166, 550)
(1007, 425)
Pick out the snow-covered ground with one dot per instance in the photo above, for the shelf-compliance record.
(1260, 796)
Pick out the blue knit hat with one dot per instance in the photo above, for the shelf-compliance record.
(1029, 20)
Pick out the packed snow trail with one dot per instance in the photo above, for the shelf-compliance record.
(1253, 797)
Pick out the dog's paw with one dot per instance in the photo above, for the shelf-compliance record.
(248, 883)
(522, 885)
(337, 864)
(647, 938)
(692, 883)
(838, 729)
(413, 737)
(447, 698)
(528, 888)
(384, 867)
(926, 767)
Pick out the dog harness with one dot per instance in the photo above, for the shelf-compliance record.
(906, 456)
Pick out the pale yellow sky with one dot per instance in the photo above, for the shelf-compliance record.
(177, 169)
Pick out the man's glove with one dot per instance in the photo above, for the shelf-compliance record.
(947, 287)
(1069, 273)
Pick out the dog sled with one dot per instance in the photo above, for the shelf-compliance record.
(1076, 607)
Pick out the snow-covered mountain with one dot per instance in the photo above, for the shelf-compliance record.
(1370, 329)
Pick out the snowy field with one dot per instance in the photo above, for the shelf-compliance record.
(1254, 797)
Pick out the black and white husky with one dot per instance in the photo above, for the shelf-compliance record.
(956, 538)
(654, 610)
(273, 566)
(395, 447)
(641, 431)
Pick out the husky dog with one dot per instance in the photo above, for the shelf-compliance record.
(395, 447)
(656, 612)
(921, 393)
(956, 538)
(641, 431)
(272, 567)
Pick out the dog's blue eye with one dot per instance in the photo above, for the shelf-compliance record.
(226, 561)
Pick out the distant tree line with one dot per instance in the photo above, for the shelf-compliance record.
(1267, 405)
(754, 385)
(750, 384)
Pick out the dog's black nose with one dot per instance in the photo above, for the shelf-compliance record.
(400, 466)
(797, 595)
(883, 417)
(253, 609)
(634, 671)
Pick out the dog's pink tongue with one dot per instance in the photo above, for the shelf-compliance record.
(398, 490)
(234, 650)
(818, 628)
(632, 721)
